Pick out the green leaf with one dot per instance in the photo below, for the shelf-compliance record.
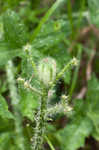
(4, 112)
(93, 104)
(45, 18)
(1, 29)
(6, 124)
(4, 140)
(14, 30)
(94, 11)
(73, 135)
(13, 36)
(7, 140)
(93, 93)
(28, 103)
(51, 34)
(7, 53)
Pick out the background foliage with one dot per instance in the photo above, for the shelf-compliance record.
(71, 30)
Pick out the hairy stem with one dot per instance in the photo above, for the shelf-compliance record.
(40, 123)
(72, 63)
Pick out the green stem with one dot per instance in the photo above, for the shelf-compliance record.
(28, 50)
(28, 86)
(75, 73)
(73, 62)
(69, 9)
(40, 123)
(81, 13)
(45, 18)
(49, 143)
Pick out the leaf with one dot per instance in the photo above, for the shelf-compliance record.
(7, 140)
(14, 36)
(93, 104)
(94, 11)
(93, 93)
(51, 34)
(6, 124)
(73, 135)
(7, 53)
(79, 108)
(1, 29)
(4, 112)
(28, 103)
(90, 107)
(14, 30)
(4, 140)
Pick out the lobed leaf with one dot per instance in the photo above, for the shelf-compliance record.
(74, 134)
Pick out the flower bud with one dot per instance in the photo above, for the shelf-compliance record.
(47, 70)
(75, 61)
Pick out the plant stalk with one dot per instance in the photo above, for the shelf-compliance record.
(41, 119)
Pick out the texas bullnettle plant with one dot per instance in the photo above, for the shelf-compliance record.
(47, 74)
(44, 104)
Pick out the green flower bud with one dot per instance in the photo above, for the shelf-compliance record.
(47, 70)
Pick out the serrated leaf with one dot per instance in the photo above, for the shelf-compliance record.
(4, 112)
(74, 134)
(14, 36)
(14, 30)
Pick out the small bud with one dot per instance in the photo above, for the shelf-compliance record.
(26, 84)
(27, 125)
(74, 61)
(67, 109)
(31, 139)
(20, 79)
(64, 100)
(27, 47)
(64, 97)
(47, 70)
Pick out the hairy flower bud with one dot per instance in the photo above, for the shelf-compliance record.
(47, 70)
